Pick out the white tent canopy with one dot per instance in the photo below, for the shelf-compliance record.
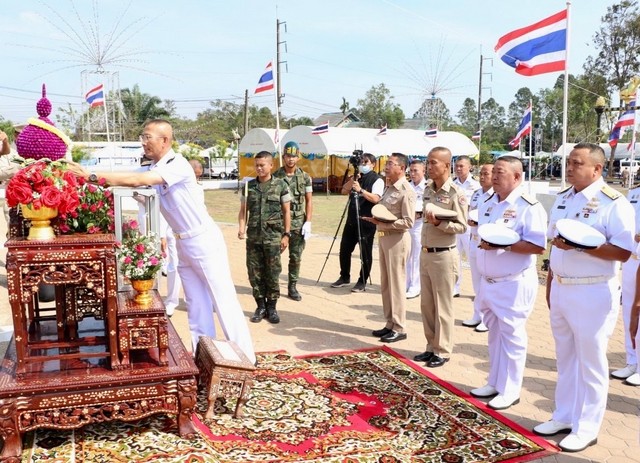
(622, 151)
(256, 140)
(343, 141)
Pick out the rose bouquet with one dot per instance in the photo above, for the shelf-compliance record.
(139, 255)
(44, 183)
(94, 213)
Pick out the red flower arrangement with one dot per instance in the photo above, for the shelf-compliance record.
(94, 213)
(44, 183)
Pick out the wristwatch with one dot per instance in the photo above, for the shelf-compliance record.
(287, 234)
(93, 178)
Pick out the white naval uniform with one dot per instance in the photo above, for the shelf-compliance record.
(413, 262)
(508, 287)
(203, 265)
(462, 240)
(584, 301)
(629, 269)
(477, 199)
(172, 299)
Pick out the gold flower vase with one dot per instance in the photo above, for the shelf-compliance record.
(143, 289)
(41, 228)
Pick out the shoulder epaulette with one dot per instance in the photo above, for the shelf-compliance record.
(528, 198)
(610, 192)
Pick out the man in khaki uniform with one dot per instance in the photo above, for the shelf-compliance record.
(394, 245)
(439, 261)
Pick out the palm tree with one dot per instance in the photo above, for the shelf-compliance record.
(138, 108)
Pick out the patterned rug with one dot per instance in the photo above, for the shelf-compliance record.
(350, 407)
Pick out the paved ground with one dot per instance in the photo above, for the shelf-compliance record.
(335, 319)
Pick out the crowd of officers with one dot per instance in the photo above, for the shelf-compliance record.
(428, 222)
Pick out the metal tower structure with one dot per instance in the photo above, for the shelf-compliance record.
(105, 122)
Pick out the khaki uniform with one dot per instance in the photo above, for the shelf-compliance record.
(394, 246)
(439, 266)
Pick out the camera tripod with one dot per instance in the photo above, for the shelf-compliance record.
(353, 196)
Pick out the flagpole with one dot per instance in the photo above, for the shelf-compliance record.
(632, 174)
(277, 92)
(565, 100)
(106, 122)
(530, 143)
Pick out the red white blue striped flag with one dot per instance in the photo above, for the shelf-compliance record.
(477, 135)
(524, 128)
(266, 81)
(536, 49)
(383, 130)
(432, 132)
(95, 96)
(627, 119)
(324, 128)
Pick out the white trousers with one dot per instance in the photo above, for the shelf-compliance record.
(582, 320)
(475, 275)
(173, 279)
(462, 241)
(206, 278)
(629, 269)
(505, 308)
(413, 261)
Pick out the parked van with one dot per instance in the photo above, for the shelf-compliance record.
(631, 166)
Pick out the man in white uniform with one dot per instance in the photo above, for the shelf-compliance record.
(629, 269)
(509, 280)
(202, 254)
(418, 182)
(478, 198)
(468, 185)
(583, 295)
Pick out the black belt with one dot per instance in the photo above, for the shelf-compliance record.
(426, 249)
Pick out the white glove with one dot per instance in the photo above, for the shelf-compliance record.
(306, 230)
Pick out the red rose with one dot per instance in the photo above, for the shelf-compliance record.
(69, 203)
(51, 197)
(18, 193)
(70, 178)
(36, 177)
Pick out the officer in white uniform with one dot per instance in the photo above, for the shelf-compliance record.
(477, 198)
(508, 280)
(629, 269)
(203, 264)
(418, 182)
(584, 296)
(468, 184)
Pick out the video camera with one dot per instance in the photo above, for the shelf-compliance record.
(356, 159)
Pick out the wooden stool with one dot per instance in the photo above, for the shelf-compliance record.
(225, 371)
(141, 327)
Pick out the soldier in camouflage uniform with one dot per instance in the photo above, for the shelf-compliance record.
(264, 209)
(301, 191)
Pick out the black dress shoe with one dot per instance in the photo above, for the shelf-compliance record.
(424, 357)
(393, 336)
(436, 361)
(383, 332)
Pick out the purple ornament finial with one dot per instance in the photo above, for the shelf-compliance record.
(43, 107)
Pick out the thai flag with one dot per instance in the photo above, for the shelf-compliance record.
(536, 49)
(477, 135)
(627, 119)
(524, 128)
(432, 132)
(95, 96)
(324, 128)
(383, 130)
(266, 80)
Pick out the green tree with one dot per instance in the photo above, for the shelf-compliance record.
(138, 108)
(494, 132)
(435, 113)
(519, 105)
(377, 109)
(617, 43)
(468, 116)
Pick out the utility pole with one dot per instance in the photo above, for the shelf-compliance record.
(246, 112)
(280, 95)
(480, 87)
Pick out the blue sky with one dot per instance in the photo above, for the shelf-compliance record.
(193, 51)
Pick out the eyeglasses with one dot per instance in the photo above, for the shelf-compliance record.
(147, 137)
(390, 163)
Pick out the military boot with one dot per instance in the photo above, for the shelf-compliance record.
(293, 291)
(261, 311)
(272, 313)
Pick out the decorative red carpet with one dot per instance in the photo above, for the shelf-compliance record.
(365, 406)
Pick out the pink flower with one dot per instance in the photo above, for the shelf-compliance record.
(139, 248)
(128, 259)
